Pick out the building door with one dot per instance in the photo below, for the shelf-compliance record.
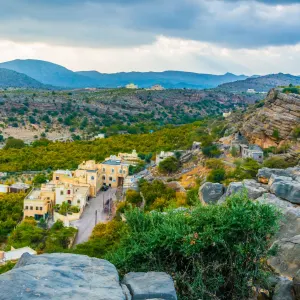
(120, 181)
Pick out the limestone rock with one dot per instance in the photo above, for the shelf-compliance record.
(61, 276)
(253, 189)
(283, 290)
(287, 260)
(150, 285)
(286, 188)
(210, 192)
(265, 174)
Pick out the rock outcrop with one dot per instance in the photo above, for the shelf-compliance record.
(210, 193)
(281, 113)
(69, 276)
(265, 174)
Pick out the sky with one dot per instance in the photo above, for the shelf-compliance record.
(203, 36)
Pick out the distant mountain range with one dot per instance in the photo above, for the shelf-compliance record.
(261, 84)
(56, 75)
(42, 75)
(9, 78)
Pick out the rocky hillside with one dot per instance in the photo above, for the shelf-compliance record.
(90, 110)
(12, 79)
(271, 122)
(262, 83)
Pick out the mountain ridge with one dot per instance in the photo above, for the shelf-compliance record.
(56, 75)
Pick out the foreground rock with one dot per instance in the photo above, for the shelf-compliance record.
(69, 276)
(161, 287)
(287, 260)
(210, 193)
(286, 188)
(265, 174)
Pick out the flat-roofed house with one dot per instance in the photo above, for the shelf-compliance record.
(252, 151)
(39, 202)
(4, 189)
(113, 171)
(19, 187)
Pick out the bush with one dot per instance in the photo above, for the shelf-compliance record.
(217, 175)
(133, 197)
(211, 252)
(277, 162)
(39, 179)
(275, 134)
(214, 164)
(12, 143)
(169, 165)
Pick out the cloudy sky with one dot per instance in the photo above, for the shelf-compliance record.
(204, 36)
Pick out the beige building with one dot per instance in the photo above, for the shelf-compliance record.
(162, 156)
(75, 195)
(87, 174)
(39, 202)
(129, 158)
(14, 254)
(113, 171)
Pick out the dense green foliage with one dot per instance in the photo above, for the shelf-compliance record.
(11, 213)
(68, 155)
(278, 163)
(216, 175)
(7, 267)
(169, 165)
(12, 143)
(56, 239)
(212, 252)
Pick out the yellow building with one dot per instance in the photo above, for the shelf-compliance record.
(86, 174)
(129, 158)
(39, 202)
(113, 171)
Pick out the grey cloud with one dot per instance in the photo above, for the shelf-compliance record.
(122, 23)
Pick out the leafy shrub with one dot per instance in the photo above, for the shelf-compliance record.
(12, 143)
(133, 197)
(169, 165)
(216, 175)
(277, 162)
(214, 164)
(212, 252)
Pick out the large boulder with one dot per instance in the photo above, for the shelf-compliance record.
(286, 188)
(265, 174)
(287, 260)
(61, 276)
(151, 285)
(210, 192)
(296, 285)
(251, 187)
(283, 290)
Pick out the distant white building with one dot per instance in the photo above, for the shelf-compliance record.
(163, 155)
(4, 189)
(131, 86)
(226, 115)
(99, 136)
(251, 91)
(15, 254)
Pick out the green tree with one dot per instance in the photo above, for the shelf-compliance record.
(39, 179)
(217, 175)
(169, 165)
(12, 143)
(276, 134)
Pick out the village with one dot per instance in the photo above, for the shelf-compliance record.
(89, 195)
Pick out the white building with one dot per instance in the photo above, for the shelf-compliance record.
(15, 254)
(4, 189)
(252, 151)
(131, 86)
(163, 155)
(251, 91)
(100, 136)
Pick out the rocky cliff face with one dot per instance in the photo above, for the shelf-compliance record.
(280, 114)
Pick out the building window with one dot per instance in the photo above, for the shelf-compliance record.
(103, 169)
(78, 201)
(112, 170)
(41, 208)
(120, 171)
(110, 178)
(92, 178)
(103, 177)
(26, 207)
(36, 208)
(69, 192)
(31, 207)
(61, 193)
(57, 178)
